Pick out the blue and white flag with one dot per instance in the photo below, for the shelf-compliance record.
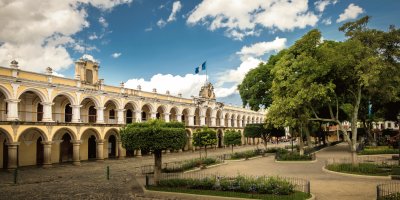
(200, 68)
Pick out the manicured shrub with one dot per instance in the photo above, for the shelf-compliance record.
(364, 168)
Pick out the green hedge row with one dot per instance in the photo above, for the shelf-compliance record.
(191, 164)
(370, 169)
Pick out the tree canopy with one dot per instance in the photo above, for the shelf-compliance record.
(204, 137)
(232, 137)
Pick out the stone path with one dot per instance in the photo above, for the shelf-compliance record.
(324, 185)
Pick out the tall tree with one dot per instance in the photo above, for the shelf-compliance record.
(232, 137)
(204, 137)
(156, 136)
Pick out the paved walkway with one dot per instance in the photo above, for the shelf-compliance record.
(324, 185)
(89, 180)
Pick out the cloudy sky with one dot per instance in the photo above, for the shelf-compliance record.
(158, 44)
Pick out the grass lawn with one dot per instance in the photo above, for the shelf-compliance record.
(369, 169)
(295, 196)
(379, 150)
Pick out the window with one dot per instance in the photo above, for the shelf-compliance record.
(89, 76)
(112, 114)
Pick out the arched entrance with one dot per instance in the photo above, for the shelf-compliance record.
(220, 138)
(68, 113)
(88, 110)
(30, 148)
(112, 144)
(40, 151)
(129, 116)
(146, 110)
(92, 147)
(92, 114)
(66, 148)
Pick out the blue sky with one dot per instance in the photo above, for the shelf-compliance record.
(145, 43)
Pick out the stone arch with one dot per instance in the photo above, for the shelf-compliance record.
(63, 139)
(227, 118)
(62, 107)
(160, 112)
(5, 138)
(114, 101)
(88, 109)
(30, 107)
(233, 120)
(110, 111)
(40, 94)
(111, 143)
(93, 99)
(89, 139)
(67, 95)
(208, 115)
(30, 148)
(196, 118)
(218, 118)
(146, 111)
(174, 111)
(185, 116)
(239, 121)
(130, 112)
(6, 92)
(4, 95)
(220, 138)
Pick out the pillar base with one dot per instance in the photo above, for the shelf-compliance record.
(76, 163)
(121, 157)
(100, 160)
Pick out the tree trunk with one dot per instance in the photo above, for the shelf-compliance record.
(232, 148)
(353, 142)
(301, 145)
(307, 131)
(265, 140)
(157, 166)
(205, 149)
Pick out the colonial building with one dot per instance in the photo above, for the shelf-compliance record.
(47, 119)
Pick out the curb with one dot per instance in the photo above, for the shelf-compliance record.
(300, 162)
(207, 167)
(197, 196)
(243, 159)
(356, 175)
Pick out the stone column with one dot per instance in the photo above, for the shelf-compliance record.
(76, 151)
(166, 117)
(120, 116)
(191, 120)
(234, 123)
(138, 153)
(153, 115)
(47, 153)
(12, 109)
(222, 122)
(213, 121)
(138, 116)
(229, 122)
(99, 150)
(119, 145)
(202, 120)
(47, 111)
(100, 115)
(12, 155)
(244, 123)
(179, 117)
(76, 113)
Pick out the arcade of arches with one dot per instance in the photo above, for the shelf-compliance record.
(45, 119)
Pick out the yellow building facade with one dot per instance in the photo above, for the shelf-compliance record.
(46, 119)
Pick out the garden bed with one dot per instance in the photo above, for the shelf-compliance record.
(373, 150)
(369, 169)
(190, 165)
(284, 155)
(240, 186)
(295, 196)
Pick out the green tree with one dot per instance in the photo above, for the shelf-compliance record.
(156, 136)
(204, 137)
(263, 131)
(232, 138)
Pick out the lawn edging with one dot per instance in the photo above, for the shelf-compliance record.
(207, 167)
(244, 159)
(196, 196)
(356, 175)
(294, 161)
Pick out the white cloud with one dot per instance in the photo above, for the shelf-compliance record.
(103, 22)
(238, 74)
(240, 18)
(148, 29)
(261, 48)
(351, 12)
(187, 85)
(57, 74)
(89, 57)
(321, 4)
(38, 33)
(116, 55)
(93, 36)
(161, 23)
(176, 7)
(327, 21)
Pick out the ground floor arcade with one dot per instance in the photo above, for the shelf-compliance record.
(28, 144)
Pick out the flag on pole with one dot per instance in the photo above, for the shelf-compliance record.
(200, 68)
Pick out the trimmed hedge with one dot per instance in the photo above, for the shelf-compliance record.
(370, 169)
(191, 164)
(371, 150)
